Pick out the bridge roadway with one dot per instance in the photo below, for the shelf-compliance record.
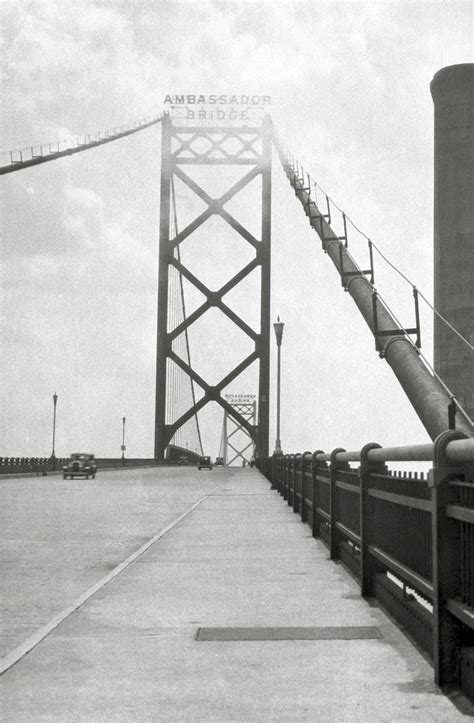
(108, 580)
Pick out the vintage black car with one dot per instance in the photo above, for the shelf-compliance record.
(204, 462)
(80, 464)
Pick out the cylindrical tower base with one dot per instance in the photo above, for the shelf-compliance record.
(452, 89)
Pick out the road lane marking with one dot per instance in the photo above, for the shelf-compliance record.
(33, 640)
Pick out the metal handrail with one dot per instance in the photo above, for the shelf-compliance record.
(459, 450)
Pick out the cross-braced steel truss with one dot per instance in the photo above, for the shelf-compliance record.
(217, 146)
(236, 444)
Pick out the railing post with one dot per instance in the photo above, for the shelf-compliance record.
(279, 465)
(368, 565)
(291, 480)
(285, 476)
(291, 489)
(315, 491)
(334, 506)
(280, 471)
(273, 470)
(306, 457)
(289, 477)
(294, 499)
(446, 563)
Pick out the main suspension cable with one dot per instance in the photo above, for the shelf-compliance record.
(347, 219)
(298, 174)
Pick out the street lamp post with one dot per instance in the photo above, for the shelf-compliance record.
(123, 441)
(278, 326)
(53, 453)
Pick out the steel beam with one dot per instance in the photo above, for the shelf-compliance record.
(162, 343)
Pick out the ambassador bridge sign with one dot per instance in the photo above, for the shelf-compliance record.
(242, 108)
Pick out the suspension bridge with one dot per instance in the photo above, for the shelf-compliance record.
(407, 540)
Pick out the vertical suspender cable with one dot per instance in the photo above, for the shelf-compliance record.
(183, 306)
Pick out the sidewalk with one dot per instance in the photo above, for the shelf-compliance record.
(239, 559)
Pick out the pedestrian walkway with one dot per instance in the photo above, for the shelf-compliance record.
(238, 566)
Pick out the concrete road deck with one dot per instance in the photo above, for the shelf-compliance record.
(116, 641)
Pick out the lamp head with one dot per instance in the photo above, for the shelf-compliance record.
(278, 326)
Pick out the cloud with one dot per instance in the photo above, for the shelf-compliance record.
(84, 198)
(350, 96)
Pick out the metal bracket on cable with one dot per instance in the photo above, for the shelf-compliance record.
(344, 237)
(308, 191)
(292, 173)
(452, 411)
(360, 272)
(319, 216)
(395, 332)
(296, 179)
(327, 215)
(295, 169)
(344, 220)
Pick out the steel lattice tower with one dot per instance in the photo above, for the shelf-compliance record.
(251, 147)
(246, 408)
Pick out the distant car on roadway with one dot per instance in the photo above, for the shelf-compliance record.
(219, 461)
(204, 462)
(80, 464)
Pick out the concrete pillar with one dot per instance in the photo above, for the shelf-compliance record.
(452, 89)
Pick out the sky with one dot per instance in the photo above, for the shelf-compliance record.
(349, 83)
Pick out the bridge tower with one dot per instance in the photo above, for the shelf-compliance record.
(235, 442)
(213, 147)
